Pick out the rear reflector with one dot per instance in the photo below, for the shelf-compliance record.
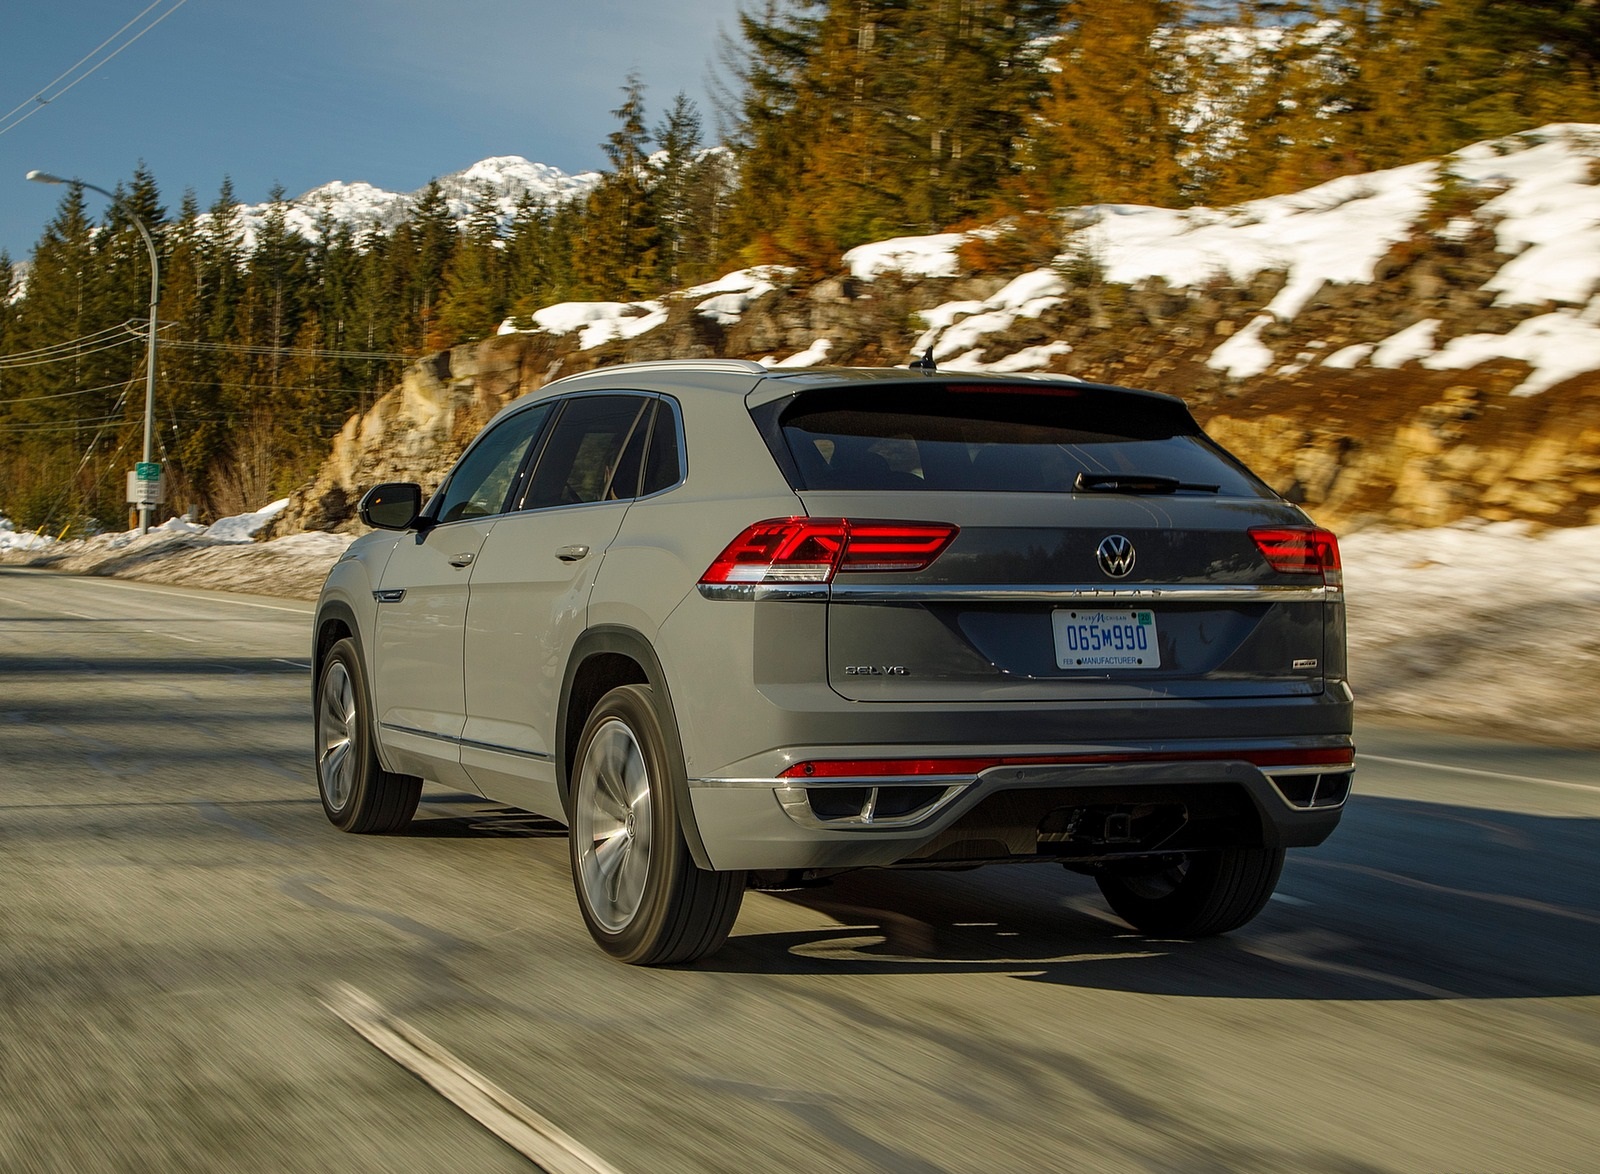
(812, 550)
(1301, 551)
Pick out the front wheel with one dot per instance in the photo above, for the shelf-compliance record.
(358, 795)
(1194, 895)
(642, 896)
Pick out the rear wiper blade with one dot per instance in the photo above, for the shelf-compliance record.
(1136, 483)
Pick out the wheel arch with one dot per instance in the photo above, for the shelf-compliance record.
(336, 621)
(604, 658)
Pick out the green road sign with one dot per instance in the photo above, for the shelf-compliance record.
(147, 470)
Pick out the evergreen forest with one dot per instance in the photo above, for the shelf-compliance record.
(835, 122)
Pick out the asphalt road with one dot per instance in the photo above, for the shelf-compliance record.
(178, 924)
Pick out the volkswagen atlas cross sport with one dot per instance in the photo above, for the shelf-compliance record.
(748, 627)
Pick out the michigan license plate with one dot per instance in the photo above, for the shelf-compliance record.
(1106, 639)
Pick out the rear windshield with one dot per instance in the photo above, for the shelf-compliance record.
(994, 438)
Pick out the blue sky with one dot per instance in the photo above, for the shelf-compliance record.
(300, 92)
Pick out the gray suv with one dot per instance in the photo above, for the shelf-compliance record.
(747, 627)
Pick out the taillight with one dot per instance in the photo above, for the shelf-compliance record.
(812, 550)
(1301, 551)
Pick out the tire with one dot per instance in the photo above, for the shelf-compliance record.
(641, 894)
(358, 795)
(1196, 896)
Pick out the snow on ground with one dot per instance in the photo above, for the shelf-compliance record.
(914, 256)
(598, 322)
(1478, 626)
(1485, 628)
(1542, 200)
(725, 300)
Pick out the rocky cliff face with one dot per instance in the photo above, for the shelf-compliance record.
(1402, 446)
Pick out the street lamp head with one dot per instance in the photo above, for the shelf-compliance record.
(46, 177)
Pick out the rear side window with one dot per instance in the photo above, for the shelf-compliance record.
(664, 466)
(583, 461)
(994, 438)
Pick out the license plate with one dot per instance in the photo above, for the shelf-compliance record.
(1106, 639)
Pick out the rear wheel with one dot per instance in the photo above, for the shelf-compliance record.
(641, 894)
(1194, 895)
(358, 795)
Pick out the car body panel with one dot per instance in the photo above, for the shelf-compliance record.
(528, 604)
(474, 669)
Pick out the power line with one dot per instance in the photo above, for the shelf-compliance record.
(286, 352)
(27, 108)
(61, 425)
(28, 399)
(57, 346)
(67, 355)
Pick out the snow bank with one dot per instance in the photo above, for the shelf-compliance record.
(245, 527)
(11, 540)
(597, 322)
(915, 256)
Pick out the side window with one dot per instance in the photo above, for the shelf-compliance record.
(484, 478)
(663, 466)
(582, 459)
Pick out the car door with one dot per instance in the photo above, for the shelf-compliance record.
(530, 593)
(418, 684)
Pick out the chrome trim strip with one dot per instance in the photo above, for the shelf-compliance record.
(389, 594)
(1155, 593)
(467, 743)
(415, 733)
(832, 781)
(797, 805)
(813, 591)
(535, 755)
(1273, 772)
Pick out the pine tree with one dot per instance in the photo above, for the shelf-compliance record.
(1112, 132)
(433, 239)
(768, 128)
(473, 301)
(616, 256)
(678, 136)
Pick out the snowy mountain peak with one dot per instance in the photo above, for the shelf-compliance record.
(504, 180)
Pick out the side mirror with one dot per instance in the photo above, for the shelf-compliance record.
(393, 505)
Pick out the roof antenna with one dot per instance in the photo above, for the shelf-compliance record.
(925, 363)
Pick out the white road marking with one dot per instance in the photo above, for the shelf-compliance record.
(35, 607)
(123, 585)
(1521, 904)
(491, 1106)
(1288, 900)
(1486, 774)
(295, 664)
(172, 636)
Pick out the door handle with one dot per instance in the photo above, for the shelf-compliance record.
(463, 560)
(571, 554)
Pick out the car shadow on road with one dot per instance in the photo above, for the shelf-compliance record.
(457, 816)
(1409, 900)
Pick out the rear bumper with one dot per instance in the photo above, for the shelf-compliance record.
(1136, 800)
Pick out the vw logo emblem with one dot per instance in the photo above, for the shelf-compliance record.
(1115, 555)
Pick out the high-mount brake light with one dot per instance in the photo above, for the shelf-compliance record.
(1301, 551)
(813, 550)
(1012, 389)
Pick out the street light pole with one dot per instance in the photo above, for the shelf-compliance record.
(145, 509)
